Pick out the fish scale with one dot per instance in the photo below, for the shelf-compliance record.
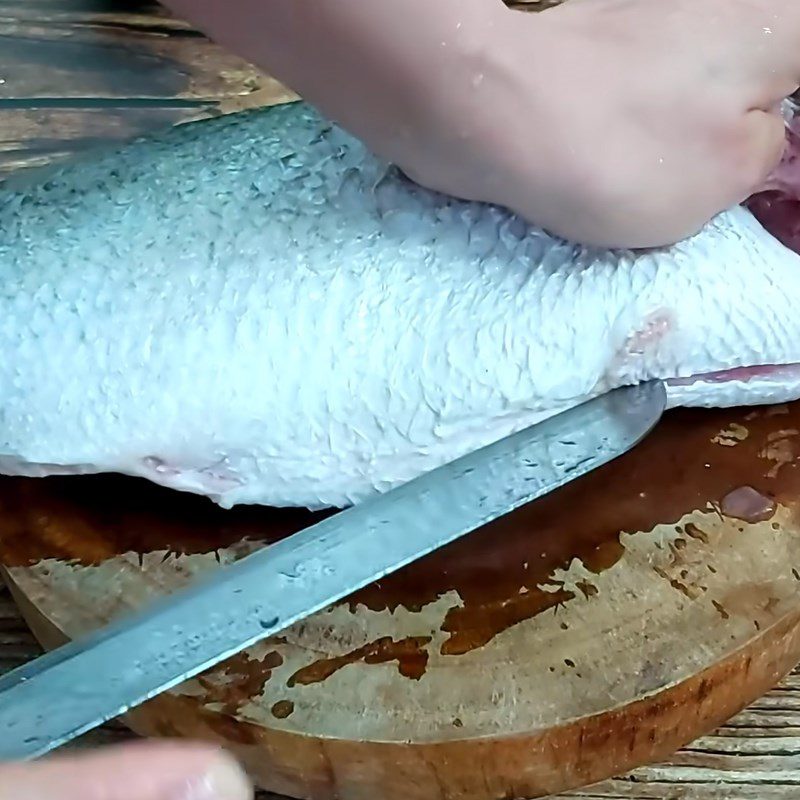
(257, 309)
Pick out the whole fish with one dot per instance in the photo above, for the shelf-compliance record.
(258, 310)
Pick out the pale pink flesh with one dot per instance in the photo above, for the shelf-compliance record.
(777, 206)
(741, 374)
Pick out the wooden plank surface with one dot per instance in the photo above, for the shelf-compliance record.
(75, 73)
(83, 49)
(756, 756)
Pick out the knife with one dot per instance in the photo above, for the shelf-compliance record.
(61, 695)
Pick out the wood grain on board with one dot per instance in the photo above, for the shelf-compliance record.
(755, 756)
(597, 630)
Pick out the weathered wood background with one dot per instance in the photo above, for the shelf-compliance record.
(76, 73)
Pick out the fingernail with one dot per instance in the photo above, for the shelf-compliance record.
(225, 780)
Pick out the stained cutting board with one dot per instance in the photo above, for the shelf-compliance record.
(596, 630)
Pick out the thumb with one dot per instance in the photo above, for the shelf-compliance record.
(785, 178)
(762, 146)
(139, 771)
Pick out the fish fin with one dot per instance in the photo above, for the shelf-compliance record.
(211, 480)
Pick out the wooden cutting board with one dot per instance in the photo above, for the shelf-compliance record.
(596, 630)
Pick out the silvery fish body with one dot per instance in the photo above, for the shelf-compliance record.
(256, 309)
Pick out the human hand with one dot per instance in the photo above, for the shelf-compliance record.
(140, 771)
(644, 119)
(610, 122)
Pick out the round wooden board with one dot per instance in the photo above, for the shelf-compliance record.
(593, 631)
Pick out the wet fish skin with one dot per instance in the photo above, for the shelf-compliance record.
(256, 309)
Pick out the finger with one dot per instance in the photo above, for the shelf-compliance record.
(762, 145)
(140, 771)
(771, 49)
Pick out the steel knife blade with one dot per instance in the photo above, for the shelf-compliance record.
(91, 680)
